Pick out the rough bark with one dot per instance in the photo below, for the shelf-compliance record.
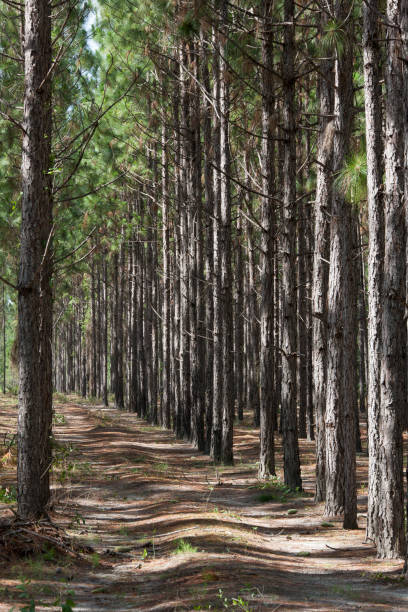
(225, 253)
(350, 371)
(239, 321)
(216, 431)
(209, 210)
(339, 423)
(288, 246)
(165, 406)
(34, 288)
(321, 269)
(199, 374)
(266, 457)
(373, 117)
(390, 533)
(301, 320)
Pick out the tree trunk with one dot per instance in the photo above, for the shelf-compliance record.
(350, 423)
(34, 288)
(390, 532)
(105, 332)
(199, 369)
(340, 424)
(165, 406)
(119, 389)
(225, 253)
(267, 458)
(301, 320)
(321, 269)
(288, 246)
(209, 210)
(373, 117)
(216, 431)
(239, 321)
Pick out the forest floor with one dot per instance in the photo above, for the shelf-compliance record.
(169, 531)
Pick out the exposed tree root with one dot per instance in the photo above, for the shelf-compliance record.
(20, 538)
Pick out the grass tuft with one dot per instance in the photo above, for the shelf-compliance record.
(184, 547)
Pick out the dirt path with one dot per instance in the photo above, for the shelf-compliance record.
(171, 532)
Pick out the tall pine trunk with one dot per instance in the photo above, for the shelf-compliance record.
(321, 268)
(217, 396)
(225, 255)
(339, 424)
(288, 247)
(390, 532)
(165, 406)
(34, 288)
(373, 117)
(266, 458)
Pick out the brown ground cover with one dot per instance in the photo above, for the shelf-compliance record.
(163, 529)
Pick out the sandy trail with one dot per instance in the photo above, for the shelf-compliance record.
(172, 532)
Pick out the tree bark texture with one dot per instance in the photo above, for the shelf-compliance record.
(34, 288)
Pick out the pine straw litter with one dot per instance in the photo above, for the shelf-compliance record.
(19, 538)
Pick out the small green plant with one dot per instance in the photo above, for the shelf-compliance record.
(325, 524)
(69, 604)
(49, 554)
(60, 397)
(104, 418)
(84, 469)
(37, 563)
(266, 497)
(8, 495)
(23, 588)
(58, 419)
(342, 590)
(95, 559)
(273, 490)
(236, 602)
(10, 440)
(210, 576)
(138, 459)
(184, 547)
(77, 520)
(381, 577)
(62, 464)
(65, 473)
(162, 467)
(61, 452)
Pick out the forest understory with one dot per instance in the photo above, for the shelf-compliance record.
(165, 529)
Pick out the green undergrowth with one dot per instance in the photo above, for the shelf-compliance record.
(8, 495)
(274, 490)
(184, 547)
(386, 578)
(32, 592)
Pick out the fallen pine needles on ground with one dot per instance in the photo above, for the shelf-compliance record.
(20, 538)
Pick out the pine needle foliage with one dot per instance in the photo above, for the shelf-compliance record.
(333, 39)
(352, 179)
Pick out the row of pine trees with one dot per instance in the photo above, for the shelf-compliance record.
(242, 244)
